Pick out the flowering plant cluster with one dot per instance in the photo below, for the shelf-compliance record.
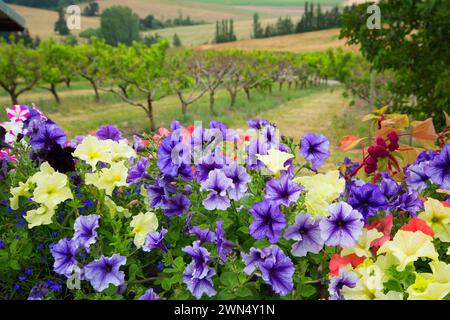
(212, 213)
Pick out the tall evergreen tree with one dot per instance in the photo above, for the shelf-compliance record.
(61, 25)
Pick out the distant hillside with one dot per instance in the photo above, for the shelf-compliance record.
(44, 4)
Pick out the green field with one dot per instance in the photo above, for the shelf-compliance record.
(268, 2)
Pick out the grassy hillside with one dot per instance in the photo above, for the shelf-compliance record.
(304, 42)
(270, 2)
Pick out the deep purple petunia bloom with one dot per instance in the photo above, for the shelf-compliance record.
(150, 294)
(240, 179)
(206, 164)
(306, 232)
(154, 240)
(175, 125)
(425, 156)
(46, 136)
(199, 286)
(257, 123)
(256, 147)
(268, 221)
(439, 168)
(39, 291)
(200, 258)
(227, 134)
(105, 271)
(343, 227)
(138, 146)
(416, 176)
(217, 184)
(176, 206)
(158, 193)
(389, 186)
(282, 191)
(203, 235)
(224, 247)
(254, 258)
(277, 270)
(64, 253)
(109, 132)
(348, 279)
(315, 148)
(367, 199)
(86, 230)
(410, 202)
(174, 157)
(138, 171)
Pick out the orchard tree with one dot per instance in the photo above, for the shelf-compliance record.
(61, 24)
(90, 62)
(181, 70)
(58, 66)
(413, 42)
(138, 68)
(19, 69)
(119, 24)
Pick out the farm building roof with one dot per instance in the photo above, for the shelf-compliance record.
(9, 19)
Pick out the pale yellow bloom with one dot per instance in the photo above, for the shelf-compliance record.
(109, 178)
(114, 209)
(370, 285)
(438, 217)
(92, 150)
(322, 190)
(52, 189)
(142, 225)
(45, 170)
(431, 286)
(120, 150)
(362, 248)
(409, 246)
(23, 190)
(40, 216)
(275, 160)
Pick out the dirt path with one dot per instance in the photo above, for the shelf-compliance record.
(37, 96)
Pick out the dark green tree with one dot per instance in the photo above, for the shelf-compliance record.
(176, 41)
(91, 10)
(258, 31)
(118, 24)
(61, 25)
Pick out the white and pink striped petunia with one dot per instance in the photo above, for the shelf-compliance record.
(18, 113)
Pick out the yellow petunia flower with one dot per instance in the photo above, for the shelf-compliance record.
(120, 150)
(438, 217)
(322, 190)
(275, 160)
(362, 248)
(408, 246)
(142, 225)
(109, 178)
(431, 286)
(40, 216)
(92, 150)
(52, 189)
(45, 170)
(23, 190)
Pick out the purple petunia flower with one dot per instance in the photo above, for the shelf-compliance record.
(203, 235)
(176, 206)
(217, 184)
(388, 186)
(240, 179)
(206, 164)
(227, 134)
(109, 132)
(224, 247)
(200, 257)
(268, 221)
(174, 157)
(410, 202)
(175, 125)
(306, 232)
(315, 148)
(416, 176)
(367, 199)
(439, 168)
(348, 279)
(86, 230)
(277, 270)
(105, 271)
(150, 295)
(48, 135)
(199, 286)
(282, 191)
(138, 146)
(254, 258)
(158, 193)
(154, 240)
(39, 291)
(343, 227)
(64, 253)
(138, 171)
(257, 123)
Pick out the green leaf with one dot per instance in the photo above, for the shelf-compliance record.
(225, 295)
(307, 291)
(14, 264)
(244, 292)
(166, 284)
(132, 271)
(229, 279)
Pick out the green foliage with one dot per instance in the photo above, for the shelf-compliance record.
(413, 42)
(91, 10)
(176, 41)
(225, 31)
(150, 22)
(118, 24)
(61, 25)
